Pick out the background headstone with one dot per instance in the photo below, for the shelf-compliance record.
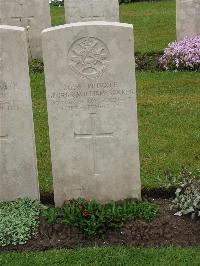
(34, 15)
(187, 18)
(91, 10)
(18, 167)
(91, 95)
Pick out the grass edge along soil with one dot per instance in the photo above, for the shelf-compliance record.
(107, 256)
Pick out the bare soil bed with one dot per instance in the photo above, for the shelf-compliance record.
(165, 230)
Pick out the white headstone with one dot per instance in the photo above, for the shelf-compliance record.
(187, 18)
(18, 169)
(91, 10)
(34, 15)
(91, 95)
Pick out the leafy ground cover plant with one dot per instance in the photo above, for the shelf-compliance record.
(187, 199)
(18, 221)
(182, 55)
(36, 66)
(94, 218)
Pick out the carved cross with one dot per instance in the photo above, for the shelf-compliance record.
(20, 3)
(25, 21)
(21, 17)
(92, 9)
(1, 16)
(93, 136)
(3, 104)
(3, 120)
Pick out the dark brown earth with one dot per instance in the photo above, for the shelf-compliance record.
(146, 62)
(165, 230)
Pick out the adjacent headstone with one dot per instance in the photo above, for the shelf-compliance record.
(91, 10)
(91, 95)
(34, 15)
(187, 18)
(18, 170)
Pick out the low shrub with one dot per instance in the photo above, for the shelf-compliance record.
(94, 218)
(182, 55)
(187, 200)
(18, 221)
(51, 215)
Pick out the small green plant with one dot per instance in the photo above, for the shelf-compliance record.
(51, 215)
(18, 221)
(36, 66)
(187, 199)
(94, 218)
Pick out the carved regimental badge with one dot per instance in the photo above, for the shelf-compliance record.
(89, 57)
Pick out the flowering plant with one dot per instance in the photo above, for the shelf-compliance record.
(94, 218)
(182, 55)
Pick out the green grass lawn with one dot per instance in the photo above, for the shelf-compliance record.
(106, 257)
(154, 23)
(57, 16)
(168, 115)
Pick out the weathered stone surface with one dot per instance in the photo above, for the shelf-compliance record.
(34, 15)
(187, 18)
(91, 10)
(91, 95)
(18, 170)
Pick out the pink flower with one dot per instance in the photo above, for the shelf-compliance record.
(182, 55)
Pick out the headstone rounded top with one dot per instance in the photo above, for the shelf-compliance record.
(87, 24)
(7, 27)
